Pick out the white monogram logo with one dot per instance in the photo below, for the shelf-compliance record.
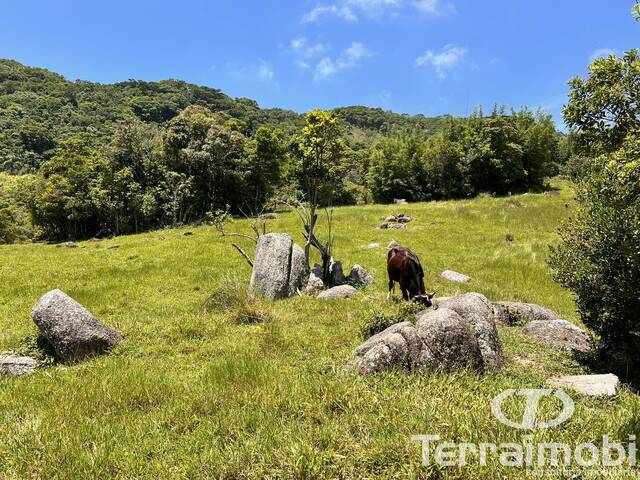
(533, 397)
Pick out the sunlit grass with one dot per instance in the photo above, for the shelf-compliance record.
(193, 392)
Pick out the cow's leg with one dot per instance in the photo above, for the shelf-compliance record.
(392, 286)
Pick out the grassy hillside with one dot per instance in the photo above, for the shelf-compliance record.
(195, 395)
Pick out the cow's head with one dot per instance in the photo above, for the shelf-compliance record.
(424, 299)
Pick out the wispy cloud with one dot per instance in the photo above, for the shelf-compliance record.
(349, 58)
(261, 71)
(602, 52)
(354, 10)
(443, 61)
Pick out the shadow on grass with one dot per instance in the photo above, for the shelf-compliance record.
(624, 363)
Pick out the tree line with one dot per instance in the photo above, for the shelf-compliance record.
(149, 175)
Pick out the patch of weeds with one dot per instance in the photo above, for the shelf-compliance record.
(232, 294)
(37, 347)
(253, 311)
(378, 320)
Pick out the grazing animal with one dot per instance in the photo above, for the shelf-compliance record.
(403, 266)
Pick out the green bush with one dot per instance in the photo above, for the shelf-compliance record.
(599, 254)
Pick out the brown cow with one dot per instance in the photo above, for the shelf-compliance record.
(403, 266)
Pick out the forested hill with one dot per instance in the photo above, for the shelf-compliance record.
(38, 108)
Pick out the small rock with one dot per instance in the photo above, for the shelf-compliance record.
(71, 329)
(358, 276)
(314, 284)
(14, 366)
(560, 334)
(455, 276)
(269, 216)
(514, 313)
(341, 291)
(373, 246)
(188, 234)
(161, 238)
(591, 385)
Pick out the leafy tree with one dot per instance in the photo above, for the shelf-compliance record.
(604, 108)
(599, 255)
(266, 157)
(319, 150)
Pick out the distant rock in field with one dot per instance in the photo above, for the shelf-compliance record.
(514, 313)
(392, 226)
(188, 234)
(373, 246)
(341, 291)
(399, 218)
(113, 247)
(591, 385)
(560, 334)
(478, 311)
(442, 339)
(67, 244)
(71, 329)
(161, 238)
(269, 216)
(400, 201)
(358, 276)
(455, 276)
(279, 269)
(336, 273)
(14, 366)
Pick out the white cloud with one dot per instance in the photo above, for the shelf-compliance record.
(602, 52)
(349, 58)
(443, 61)
(305, 49)
(353, 10)
(265, 71)
(261, 71)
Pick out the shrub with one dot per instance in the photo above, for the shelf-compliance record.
(235, 299)
(599, 254)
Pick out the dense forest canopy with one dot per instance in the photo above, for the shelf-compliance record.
(81, 159)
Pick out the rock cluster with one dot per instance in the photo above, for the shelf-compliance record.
(543, 324)
(397, 222)
(460, 333)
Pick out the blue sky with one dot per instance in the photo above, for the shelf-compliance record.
(410, 56)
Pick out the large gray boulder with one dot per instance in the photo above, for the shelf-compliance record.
(478, 311)
(560, 335)
(341, 291)
(513, 313)
(450, 338)
(71, 329)
(358, 276)
(279, 267)
(441, 339)
(14, 366)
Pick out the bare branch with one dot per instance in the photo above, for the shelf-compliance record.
(243, 253)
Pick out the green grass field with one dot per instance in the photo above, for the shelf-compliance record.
(198, 395)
